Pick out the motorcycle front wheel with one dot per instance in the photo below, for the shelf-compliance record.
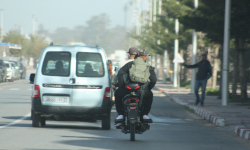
(132, 131)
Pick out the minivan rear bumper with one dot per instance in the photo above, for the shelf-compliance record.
(38, 108)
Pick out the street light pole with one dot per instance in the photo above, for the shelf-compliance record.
(1, 29)
(225, 53)
(176, 49)
(125, 14)
(194, 52)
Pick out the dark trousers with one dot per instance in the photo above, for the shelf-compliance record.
(120, 93)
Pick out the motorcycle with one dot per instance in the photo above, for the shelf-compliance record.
(133, 122)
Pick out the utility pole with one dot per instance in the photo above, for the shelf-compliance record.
(1, 29)
(125, 14)
(137, 23)
(34, 25)
(225, 53)
(159, 13)
(154, 17)
(165, 66)
(176, 49)
(151, 13)
(194, 52)
(131, 11)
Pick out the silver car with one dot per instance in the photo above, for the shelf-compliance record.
(72, 82)
(10, 71)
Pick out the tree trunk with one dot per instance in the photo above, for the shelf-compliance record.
(243, 84)
(210, 58)
(161, 66)
(236, 70)
(215, 69)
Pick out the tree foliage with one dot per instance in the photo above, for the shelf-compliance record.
(161, 35)
(36, 46)
(31, 47)
(15, 37)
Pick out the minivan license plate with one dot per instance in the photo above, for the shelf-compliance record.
(56, 99)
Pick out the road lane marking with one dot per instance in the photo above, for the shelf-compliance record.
(16, 121)
(14, 89)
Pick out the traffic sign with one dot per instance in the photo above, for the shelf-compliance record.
(178, 59)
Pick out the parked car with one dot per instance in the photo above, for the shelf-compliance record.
(2, 71)
(17, 63)
(10, 71)
(16, 71)
(63, 89)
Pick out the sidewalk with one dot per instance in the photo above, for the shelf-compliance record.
(235, 116)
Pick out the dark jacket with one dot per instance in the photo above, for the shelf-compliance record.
(125, 70)
(204, 69)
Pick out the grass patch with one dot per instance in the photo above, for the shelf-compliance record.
(189, 109)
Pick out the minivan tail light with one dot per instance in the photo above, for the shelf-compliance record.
(107, 94)
(36, 91)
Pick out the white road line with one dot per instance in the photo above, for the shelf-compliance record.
(14, 89)
(16, 121)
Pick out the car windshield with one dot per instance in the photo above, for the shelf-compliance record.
(57, 64)
(89, 65)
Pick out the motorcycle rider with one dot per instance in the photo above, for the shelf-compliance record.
(132, 52)
(148, 95)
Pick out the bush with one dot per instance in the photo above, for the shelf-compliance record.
(185, 83)
(188, 86)
(213, 91)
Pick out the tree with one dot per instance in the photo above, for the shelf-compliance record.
(15, 37)
(35, 47)
(209, 19)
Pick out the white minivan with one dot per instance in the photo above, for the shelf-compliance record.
(72, 82)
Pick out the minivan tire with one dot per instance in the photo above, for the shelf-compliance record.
(36, 120)
(106, 122)
(43, 121)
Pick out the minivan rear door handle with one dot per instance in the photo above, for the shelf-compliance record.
(72, 80)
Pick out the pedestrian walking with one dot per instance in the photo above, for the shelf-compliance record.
(203, 74)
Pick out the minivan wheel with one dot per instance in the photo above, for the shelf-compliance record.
(106, 122)
(43, 121)
(36, 120)
(31, 116)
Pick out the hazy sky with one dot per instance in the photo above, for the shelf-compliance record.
(57, 13)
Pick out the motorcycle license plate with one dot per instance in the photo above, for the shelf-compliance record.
(133, 107)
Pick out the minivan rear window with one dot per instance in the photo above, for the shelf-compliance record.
(89, 65)
(56, 64)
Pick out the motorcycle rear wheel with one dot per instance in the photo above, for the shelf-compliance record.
(132, 132)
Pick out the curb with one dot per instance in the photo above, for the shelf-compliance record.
(204, 114)
(241, 131)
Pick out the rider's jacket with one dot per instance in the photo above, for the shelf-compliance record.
(114, 79)
(125, 70)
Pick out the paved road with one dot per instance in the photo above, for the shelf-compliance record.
(174, 128)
